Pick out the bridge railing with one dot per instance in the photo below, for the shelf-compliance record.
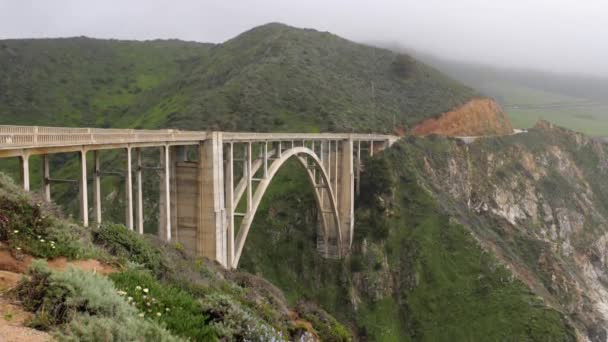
(17, 136)
(38, 136)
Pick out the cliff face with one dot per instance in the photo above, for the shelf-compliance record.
(480, 116)
(539, 202)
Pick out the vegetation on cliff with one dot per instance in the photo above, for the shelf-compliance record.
(415, 272)
(154, 291)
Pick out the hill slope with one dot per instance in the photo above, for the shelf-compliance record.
(504, 238)
(273, 77)
(574, 101)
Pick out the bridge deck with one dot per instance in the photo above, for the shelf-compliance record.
(40, 140)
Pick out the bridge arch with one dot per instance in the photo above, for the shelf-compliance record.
(301, 153)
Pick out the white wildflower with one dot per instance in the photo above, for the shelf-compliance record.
(158, 314)
(16, 231)
(145, 290)
(141, 314)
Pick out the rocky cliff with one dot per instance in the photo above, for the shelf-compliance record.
(538, 201)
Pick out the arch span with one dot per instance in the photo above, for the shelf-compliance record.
(299, 152)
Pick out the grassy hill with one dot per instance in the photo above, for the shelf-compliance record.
(574, 101)
(273, 77)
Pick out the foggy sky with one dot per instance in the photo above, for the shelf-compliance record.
(557, 35)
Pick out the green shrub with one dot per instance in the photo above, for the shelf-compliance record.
(124, 243)
(327, 327)
(96, 328)
(62, 295)
(234, 322)
(178, 310)
(85, 307)
(26, 227)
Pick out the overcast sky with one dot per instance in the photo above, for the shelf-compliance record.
(561, 35)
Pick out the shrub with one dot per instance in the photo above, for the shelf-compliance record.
(26, 227)
(177, 309)
(325, 325)
(234, 322)
(62, 295)
(96, 328)
(124, 243)
(86, 306)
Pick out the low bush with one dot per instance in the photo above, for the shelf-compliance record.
(178, 310)
(233, 321)
(327, 327)
(121, 242)
(85, 306)
(27, 227)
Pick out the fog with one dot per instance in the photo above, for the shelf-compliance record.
(555, 35)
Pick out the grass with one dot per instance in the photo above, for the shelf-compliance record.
(412, 274)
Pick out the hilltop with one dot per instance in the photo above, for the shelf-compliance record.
(271, 78)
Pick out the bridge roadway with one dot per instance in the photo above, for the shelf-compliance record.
(199, 203)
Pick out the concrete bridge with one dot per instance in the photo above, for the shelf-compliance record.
(207, 202)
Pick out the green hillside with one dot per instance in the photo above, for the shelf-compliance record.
(574, 101)
(273, 77)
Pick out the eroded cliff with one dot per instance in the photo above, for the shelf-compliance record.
(477, 117)
(539, 202)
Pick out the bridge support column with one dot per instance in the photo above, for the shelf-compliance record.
(358, 169)
(346, 202)
(140, 197)
(211, 234)
(229, 193)
(24, 163)
(46, 175)
(97, 186)
(129, 190)
(164, 226)
(84, 196)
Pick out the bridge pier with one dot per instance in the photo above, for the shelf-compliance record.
(140, 196)
(346, 202)
(97, 186)
(164, 229)
(211, 235)
(46, 175)
(24, 168)
(84, 197)
(129, 190)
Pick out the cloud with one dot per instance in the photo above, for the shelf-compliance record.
(560, 35)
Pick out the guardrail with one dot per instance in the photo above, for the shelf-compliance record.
(37, 136)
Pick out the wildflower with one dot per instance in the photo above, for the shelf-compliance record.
(129, 299)
(16, 231)
(53, 247)
(18, 248)
(145, 297)
(138, 288)
(40, 237)
(145, 290)
(167, 309)
(41, 240)
(158, 314)
(141, 314)
(147, 303)
(121, 293)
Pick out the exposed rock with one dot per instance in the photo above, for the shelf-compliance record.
(477, 117)
(547, 188)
